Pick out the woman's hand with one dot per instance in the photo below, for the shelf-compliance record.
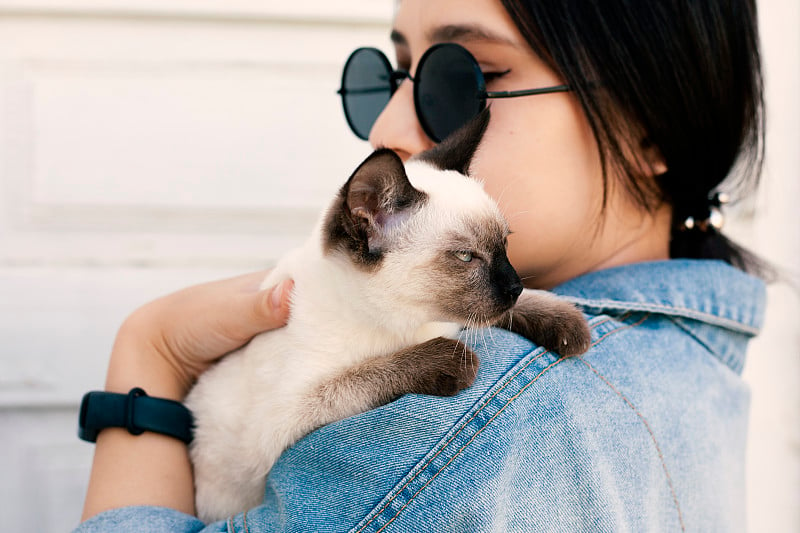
(163, 347)
(183, 333)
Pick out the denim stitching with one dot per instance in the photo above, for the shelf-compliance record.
(733, 362)
(423, 467)
(445, 445)
(246, 529)
(667, 310)
(480, 430)
(677, 321)
(649, 430)
(231, 528)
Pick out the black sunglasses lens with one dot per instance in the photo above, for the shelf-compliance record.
(448, 89)
(366, 89)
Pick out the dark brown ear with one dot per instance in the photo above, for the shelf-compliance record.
(376, 198)
(379, 190)
(457, 150)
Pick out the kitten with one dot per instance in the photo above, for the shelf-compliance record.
(387, 279)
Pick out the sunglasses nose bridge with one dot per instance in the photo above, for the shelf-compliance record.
(396, 77)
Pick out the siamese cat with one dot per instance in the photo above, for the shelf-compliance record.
(404, 257)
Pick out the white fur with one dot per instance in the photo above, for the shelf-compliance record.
(448, 189)
(254, 403)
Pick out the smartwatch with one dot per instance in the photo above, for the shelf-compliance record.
(137, 412)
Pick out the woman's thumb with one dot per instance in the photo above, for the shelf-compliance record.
(272, 306)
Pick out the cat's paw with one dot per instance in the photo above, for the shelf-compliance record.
(550, 322)
(568, 334)
(442, 367)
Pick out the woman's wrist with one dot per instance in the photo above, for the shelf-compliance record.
(162, 348)
(146, 469)
(137, 360)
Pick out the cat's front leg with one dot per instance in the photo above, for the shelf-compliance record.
(548, 321)
(439, 367)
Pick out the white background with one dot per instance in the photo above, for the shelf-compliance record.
(152, 144)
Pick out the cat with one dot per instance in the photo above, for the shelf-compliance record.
(404, 257)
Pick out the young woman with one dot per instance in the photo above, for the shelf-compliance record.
(609, 166)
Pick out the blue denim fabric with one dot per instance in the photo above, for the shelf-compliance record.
(645, 432)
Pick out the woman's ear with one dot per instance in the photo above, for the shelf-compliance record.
(653, 159)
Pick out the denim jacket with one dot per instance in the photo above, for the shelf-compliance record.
(644, 432)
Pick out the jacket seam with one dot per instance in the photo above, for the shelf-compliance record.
(676, 320)
(231, 526)
(645, 423)
(674, 310)
(464, 446)
(732, 362)
(466, 423)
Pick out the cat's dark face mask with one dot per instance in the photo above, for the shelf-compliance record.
(449, 89)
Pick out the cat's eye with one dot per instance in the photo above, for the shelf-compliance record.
(463, 256)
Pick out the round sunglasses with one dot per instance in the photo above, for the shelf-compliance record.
(449, 89)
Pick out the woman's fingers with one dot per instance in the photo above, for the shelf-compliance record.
(192, 328)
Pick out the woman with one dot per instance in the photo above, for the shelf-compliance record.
(610, 186)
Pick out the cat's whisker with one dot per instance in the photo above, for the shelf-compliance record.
(465, 354)
(455, 347)
(516, 214)
(464, 343)
(482, 332)
(507, 186)
(474, 321)
(500, 196)
(491, 334)
(468, 330)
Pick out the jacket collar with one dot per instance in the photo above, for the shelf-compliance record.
(695, 293)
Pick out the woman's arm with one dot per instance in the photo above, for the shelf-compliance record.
(163, 347)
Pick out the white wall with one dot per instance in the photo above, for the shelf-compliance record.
(773, 366)
(152, 144)
(144, 146)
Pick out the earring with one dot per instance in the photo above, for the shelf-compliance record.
(714, 218)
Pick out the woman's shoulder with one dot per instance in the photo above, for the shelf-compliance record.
(652, 402)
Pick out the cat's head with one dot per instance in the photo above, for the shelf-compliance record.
(428, 239)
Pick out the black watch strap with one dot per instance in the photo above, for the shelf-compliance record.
(135, 411)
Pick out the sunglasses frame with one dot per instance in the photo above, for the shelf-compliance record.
(396, 76)
(343, 91)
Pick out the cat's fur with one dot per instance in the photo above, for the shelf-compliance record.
(381, 288)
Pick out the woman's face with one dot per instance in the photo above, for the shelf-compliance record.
(538, 158)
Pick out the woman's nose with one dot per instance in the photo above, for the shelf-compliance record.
(397, 127)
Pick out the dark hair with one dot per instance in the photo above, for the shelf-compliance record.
(679, 76)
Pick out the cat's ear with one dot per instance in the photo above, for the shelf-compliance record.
(379, 191)
(376, 198)
(458, 149)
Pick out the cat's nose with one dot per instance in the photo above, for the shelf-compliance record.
(514, 289)
(508, 284)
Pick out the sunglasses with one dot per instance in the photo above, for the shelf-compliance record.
(449, 89)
